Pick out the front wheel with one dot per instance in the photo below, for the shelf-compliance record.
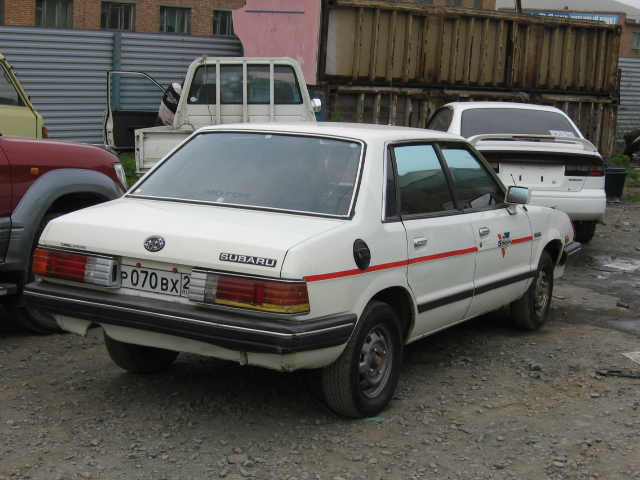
(361, 382)
(530, 311)
(138, 358)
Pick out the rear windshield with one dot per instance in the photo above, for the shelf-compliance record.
(260, 170)
(479, 121)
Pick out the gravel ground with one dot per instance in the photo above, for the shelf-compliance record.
(477, 401)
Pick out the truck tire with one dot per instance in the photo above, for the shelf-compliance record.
(137, 358)
(29, 318)
(362, 381)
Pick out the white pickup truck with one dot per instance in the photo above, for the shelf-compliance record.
(218, 90)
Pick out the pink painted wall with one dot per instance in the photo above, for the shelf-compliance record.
(281, 28)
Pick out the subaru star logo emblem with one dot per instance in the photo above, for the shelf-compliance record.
(154, 244)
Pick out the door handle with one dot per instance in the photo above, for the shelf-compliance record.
(419, 241)
(484, 231)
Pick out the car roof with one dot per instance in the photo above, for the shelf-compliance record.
(361, 131)
(519, 106)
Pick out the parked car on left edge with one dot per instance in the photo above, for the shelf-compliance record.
(293, 246)
(40, 180)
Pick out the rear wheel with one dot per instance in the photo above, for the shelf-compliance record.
(137, 358)
(584, 231)
(530, 311)
(33, 319)
(361, 382)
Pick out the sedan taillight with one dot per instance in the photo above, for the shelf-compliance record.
(78, 267)
(277, 296)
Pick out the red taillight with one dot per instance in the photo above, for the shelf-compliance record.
(92, 269)
(248, 292)
(51, 263)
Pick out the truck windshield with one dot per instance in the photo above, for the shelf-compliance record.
(260, 170)
(480, 121)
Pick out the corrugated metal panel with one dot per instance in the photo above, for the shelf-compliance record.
(629, 111)
(384, 43)
(595, 116)
(64, 71)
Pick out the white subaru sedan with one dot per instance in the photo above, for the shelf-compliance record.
(298, 246)
(538, 147)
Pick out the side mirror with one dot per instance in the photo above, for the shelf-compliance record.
(518, 195)
(316, 105)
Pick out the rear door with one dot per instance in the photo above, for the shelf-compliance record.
(133, 100)
(440, 242)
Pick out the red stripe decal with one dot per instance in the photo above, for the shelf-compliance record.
(386, 266)
(443, 255)
(522, 240)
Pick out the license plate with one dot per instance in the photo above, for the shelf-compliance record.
(157, 281)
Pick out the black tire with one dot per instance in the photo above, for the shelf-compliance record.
(32, 319)
(137, 358)
(361, 382)
(530, 311)
(584, 231)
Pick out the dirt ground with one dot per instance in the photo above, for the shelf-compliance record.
(478, 401)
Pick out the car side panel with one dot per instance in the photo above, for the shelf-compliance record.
(503, 261)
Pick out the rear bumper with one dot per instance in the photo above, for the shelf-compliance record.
(585, 205)
(226, 329)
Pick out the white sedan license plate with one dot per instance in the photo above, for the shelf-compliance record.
(157, 281)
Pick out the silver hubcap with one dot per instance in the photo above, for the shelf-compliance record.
(542, 292)
(375, 361)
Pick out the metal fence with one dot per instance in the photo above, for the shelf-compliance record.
(629, 110)
(65, 71)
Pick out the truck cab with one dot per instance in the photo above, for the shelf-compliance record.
(215, 91)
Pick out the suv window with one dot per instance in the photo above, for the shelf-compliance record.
(317, 174)
(479, 121)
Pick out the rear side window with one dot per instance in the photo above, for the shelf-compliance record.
(422, 183)
(474, 184)
(481, 121)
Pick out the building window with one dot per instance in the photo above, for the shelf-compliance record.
(635, 41)
(116, 16)
(427, 2)
(54, 13)
(222, 23)
(454, 3)
(175, 20)
(477, 4)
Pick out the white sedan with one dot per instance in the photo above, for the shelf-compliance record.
(294, 246)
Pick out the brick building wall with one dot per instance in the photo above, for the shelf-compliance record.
(629, 29)
(86, 13)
